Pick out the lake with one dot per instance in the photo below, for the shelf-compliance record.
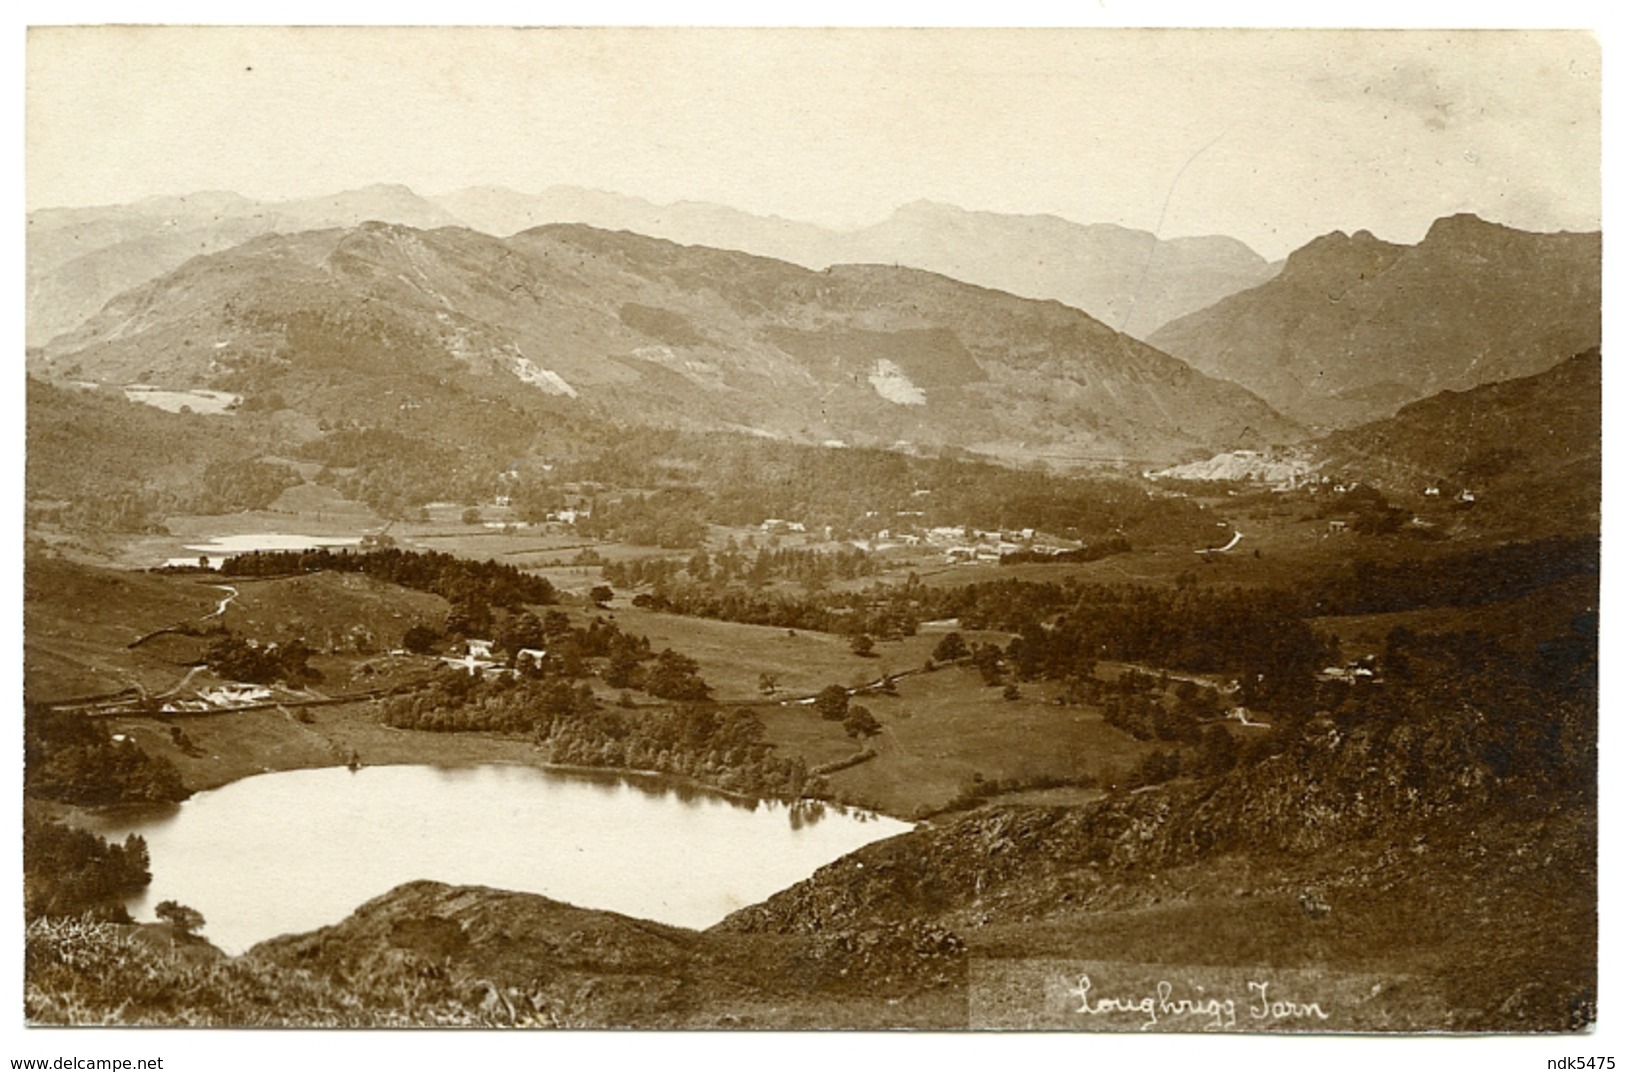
(220, 548)
(295, 850)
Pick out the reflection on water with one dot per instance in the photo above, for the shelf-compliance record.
(805, 813)
(296, 850)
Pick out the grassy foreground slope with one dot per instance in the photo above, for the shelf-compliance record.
(430, 955)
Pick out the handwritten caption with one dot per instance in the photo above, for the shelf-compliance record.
(1080, 994)
(1218, 1013)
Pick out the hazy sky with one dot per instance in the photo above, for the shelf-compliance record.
(1270, 136)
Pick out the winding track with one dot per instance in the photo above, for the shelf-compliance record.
(224, 603)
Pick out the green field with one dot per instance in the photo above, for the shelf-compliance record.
(939, 732)
(943, 731)
(733, 657)
(240, 744)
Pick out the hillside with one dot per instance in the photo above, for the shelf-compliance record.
(386, 323)
(1130, 279)
(85, 444)
(1365, 862)
(1528, 449)
(1354, 327)
(79, 622)
(431, 955)
(97, 462)
(79, 258)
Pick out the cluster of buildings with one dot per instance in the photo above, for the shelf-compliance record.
(1360, 670)
(479, 658)
(962, 544)
(220, 697)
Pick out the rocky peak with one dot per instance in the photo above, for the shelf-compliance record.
(1361, 254)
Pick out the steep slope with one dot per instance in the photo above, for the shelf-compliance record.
(1529, 449)
(647, 331)
(99, 463)
(1355, 327)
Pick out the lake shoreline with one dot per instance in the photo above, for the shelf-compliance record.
(240, 745)
(603, 841)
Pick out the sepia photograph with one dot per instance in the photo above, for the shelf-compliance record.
(957, 529)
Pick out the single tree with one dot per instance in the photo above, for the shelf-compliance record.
(860, 722)
(950, 648)
(863, 645)
(831, 703)
(186, 920)
(986, 659)
(676, 677)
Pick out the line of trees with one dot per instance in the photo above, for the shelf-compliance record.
(876, 612)
(700, 741)
(717, 747)
(461, 581)
(1089, 552)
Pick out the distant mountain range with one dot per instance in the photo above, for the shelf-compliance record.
(80, 258)
(1350, 329)
(1354, 327)
(369, 320)
(1129, 279)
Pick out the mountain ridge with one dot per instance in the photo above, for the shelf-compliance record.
(1354, 327)
(663, 333)
(79, 258)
